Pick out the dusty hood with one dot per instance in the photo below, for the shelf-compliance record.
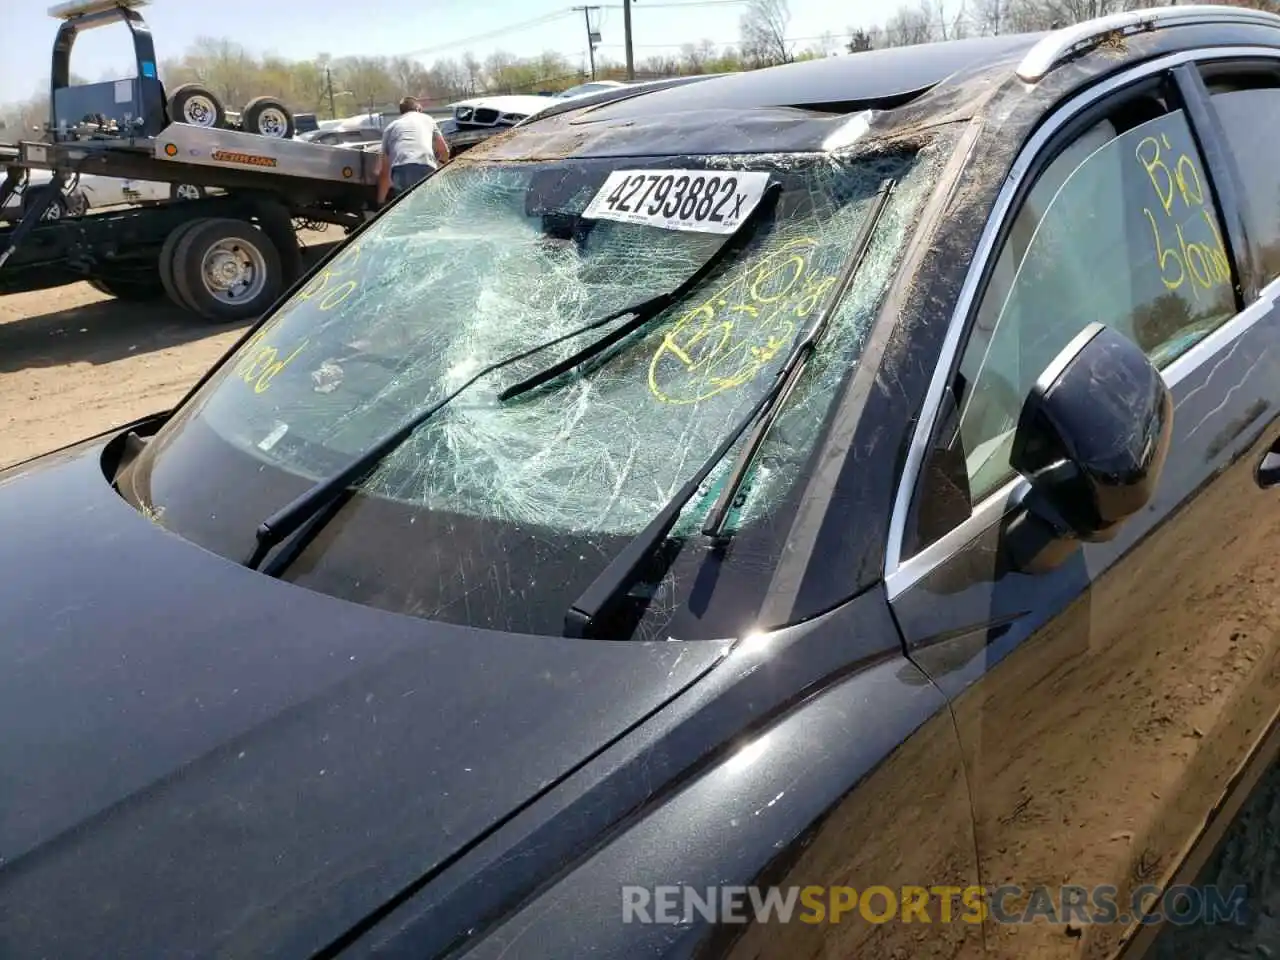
(199, 760)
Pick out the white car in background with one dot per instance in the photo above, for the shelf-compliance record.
(92, 192)
(481, 117)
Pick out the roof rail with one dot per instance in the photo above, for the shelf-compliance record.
(1060, 45)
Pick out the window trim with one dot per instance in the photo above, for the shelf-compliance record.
(901, 574)
(1228, 186)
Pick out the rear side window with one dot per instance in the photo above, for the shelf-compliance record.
(1251, 122)
(1121, 228)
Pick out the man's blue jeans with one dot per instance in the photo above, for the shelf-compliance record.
(407, 175)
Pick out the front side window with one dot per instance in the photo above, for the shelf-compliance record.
(498, 513)
(1249, 121)
(1120, 229)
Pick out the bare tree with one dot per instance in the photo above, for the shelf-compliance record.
(988, 17)
(907, 27)
(694, 57)
(859, 41)
(764, 32)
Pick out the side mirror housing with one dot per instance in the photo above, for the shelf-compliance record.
(1093, 436)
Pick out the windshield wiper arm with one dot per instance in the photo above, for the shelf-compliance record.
(719, 513)
(619, 576)
(312, 503)
(646, 311)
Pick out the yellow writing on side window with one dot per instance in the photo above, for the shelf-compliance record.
(261, 362)
(726, 340)
(327, 288)
(1180, 189)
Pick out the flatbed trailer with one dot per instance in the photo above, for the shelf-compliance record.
(224, 257)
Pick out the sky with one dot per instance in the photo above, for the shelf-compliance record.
(428, 29)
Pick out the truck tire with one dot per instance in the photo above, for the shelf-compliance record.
(167, 253)
(227, 270)
(197, 105)
(129, 289)
(268, 117)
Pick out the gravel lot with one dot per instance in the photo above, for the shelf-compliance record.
(75, 362)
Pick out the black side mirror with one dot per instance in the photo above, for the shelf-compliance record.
(1093, 436)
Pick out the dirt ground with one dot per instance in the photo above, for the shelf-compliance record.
(75, 362)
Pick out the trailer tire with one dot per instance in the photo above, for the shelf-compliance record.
(197, 105)
(268, 117)
(130, 290)
(227, 270)
(168, 253)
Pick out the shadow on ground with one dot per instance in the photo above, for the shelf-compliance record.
(108, 330)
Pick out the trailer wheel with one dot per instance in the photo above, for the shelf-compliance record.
(186, 191)
(130, 289)
(197, 105)
(227, 270)
(268, 117)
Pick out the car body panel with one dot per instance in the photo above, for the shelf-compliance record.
(1106, 707)
(758, 762)
(142, 721)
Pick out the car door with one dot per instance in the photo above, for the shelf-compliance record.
(1104, 703)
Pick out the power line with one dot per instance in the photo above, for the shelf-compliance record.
(509, 28)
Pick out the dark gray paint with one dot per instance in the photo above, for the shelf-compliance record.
(195, 756)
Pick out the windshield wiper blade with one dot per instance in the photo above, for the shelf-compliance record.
(311, 503)
(719, 513)
(647, 310)
(619, 576)
(314, 503)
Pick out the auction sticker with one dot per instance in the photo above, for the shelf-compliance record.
(702, 201)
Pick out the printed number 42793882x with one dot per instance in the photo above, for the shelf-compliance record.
(696, 200)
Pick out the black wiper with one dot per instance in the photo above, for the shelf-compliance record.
(619, 576)
(320, 502)
(719, 513)
(646, 311)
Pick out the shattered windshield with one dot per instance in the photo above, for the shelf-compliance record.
(496, 513)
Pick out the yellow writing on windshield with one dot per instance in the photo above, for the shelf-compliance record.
(260, 361)
(328, 288)
(1176, 179)
(726, 340)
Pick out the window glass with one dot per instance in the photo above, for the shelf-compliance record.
(1120, 229)
(1249, 122)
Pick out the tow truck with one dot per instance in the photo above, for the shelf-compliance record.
(225, 257)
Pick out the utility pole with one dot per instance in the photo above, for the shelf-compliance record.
(333, 110)
(593, 37)
(626, 28)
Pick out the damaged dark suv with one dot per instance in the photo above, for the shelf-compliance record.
(846, 490)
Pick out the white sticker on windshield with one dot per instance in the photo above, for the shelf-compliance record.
(698, 200)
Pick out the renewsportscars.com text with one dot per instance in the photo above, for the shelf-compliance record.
(1079, 905)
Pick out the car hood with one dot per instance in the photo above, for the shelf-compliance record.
(197, 759)
(509, 104)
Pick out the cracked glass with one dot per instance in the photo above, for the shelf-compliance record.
(497, 514)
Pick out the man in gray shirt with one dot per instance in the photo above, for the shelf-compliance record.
(412, 146)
